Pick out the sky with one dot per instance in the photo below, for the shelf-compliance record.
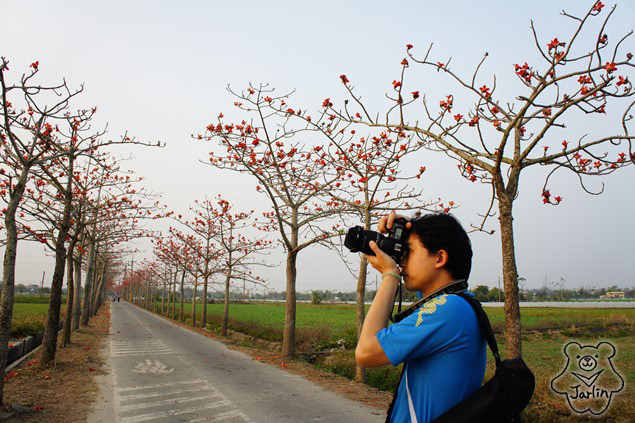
(160, 70)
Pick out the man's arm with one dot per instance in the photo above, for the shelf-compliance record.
(369, 352)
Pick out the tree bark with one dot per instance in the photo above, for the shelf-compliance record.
(223, 330)
(182, 297)
(204, 303)
(176, 275)
(288, 341)
(96, 288)
(68, 315)
(8, 272)
(360, 311)
(510, 278)
(194, 322)
(360, 307)
(88, 284)
(49, 341)
(163, 297)
(77, 291)
(97, 281)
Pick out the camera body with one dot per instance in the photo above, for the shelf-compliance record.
(395, 244)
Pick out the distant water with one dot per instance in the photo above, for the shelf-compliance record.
(561, 304)
(571, 304)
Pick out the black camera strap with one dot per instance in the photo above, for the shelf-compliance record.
(458, 286)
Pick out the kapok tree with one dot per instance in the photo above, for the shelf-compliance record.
(370, 180)
(28, 116)
(289, 173)
(203, 245)
(238, 250)
(497, 138)
(190, 260)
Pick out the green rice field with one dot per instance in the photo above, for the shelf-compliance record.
(545, 333)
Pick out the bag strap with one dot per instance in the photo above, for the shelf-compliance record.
(484, 324)
(391, 407)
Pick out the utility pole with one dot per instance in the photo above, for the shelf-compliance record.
(243, 287)
(42, 283)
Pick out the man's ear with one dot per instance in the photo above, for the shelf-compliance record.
(442, 259)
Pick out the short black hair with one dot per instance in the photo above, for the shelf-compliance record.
(443, 231)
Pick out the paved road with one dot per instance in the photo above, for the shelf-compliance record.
(164, 373)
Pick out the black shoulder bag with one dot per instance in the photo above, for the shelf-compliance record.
(501, 398)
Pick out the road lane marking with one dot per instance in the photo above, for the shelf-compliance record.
(159, 394)
(130, 348)
(223, 416)
(166, 402)
(171, 413)
(160, 385)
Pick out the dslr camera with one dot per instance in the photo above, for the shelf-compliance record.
(395, 244)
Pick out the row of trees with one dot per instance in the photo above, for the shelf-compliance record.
(340, 170)
(61, 188)
(321, 171)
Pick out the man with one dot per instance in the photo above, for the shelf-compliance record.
(440, 344)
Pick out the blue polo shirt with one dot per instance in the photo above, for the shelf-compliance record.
(444, 353)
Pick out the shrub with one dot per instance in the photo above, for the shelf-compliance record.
(27, 326)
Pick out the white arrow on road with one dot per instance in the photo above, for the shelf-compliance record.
(149, 367)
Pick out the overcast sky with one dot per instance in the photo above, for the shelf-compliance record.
(160, 69)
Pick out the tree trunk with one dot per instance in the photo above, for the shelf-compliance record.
(360, 311)
(97, 281)
(163, 297)
(194, 322)
(360, 307)
(68, 315)
(8, 272)
(182, 297)
(176, 275)
(510, 277)
(223, 330)
(88, 285)
(204, 303)
(78, 292)
(49, 341)
(288, 340)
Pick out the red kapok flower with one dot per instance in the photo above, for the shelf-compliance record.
(553, 44)
(415, 94)
(344, 79)
(409, 46)
(35, 64)
(458, 117)
(610, 67)
(598, 6)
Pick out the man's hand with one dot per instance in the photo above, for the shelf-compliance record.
(381, 261)
(386, 222)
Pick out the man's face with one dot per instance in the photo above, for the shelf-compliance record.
(419, 268)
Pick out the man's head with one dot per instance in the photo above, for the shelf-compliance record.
(439, 252)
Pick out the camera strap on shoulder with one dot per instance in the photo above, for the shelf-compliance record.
(454, 287)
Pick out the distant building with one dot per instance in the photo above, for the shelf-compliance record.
(612, 294)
